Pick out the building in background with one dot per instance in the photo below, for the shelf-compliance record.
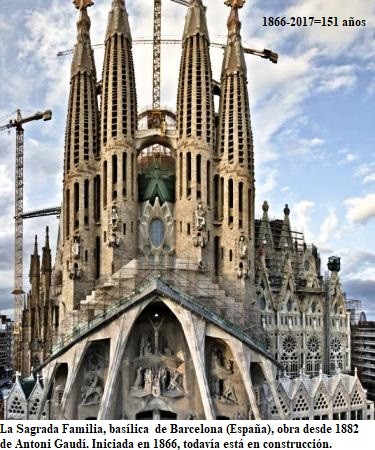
(6, 349)
(363, 353)
(168, 299)
(6, 359)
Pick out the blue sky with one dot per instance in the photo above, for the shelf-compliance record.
(312, 115)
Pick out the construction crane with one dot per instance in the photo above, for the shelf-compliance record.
(18, 235)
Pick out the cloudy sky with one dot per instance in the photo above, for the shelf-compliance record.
(312, 114)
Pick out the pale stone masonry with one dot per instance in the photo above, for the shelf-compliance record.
(168, 299)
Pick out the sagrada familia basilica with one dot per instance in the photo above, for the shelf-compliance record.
(167, 298)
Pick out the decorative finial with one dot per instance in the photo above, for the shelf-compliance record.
(235, 3)
(265, 206)
(286, 210)
(47, 231)
(82, 4)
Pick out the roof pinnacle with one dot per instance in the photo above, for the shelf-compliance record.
(83, 60)
(234, 60)
(118, 20)
(195, 22)
(82, 4)
(36, 245)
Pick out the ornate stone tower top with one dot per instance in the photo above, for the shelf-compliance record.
(235, 135)
(119, 103)
(234, 60)
(118, 20)
(82, 4)
(83, 59)
(195, 110)
(81, 139)
(195, 20)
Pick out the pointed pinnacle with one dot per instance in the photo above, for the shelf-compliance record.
(82, 4)
(118, 20)
(195, 22)
(36, 245)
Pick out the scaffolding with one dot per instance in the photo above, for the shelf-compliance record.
(188, 281)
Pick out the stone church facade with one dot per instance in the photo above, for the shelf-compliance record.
(168, 299)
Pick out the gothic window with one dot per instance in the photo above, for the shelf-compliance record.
(230, 201)
(289, 359)
(114, 169)
(262, 303)
(284, 407)
(208, 183)
(313, 359)
(86, 201)
(289, 305)
(188, 175)
(313, 345)
(132, 175)
(97, 198)
(34, 408)
(105, 184)
(156, 232)
(181, 177)
(336, 354)
(124, 173)
(356, 399)
(198, 175)
(340, 401)
(240, 204)
(17, 407)
(76, 205)
(335, 346)
(321, 402)
(289, 345)
(67, 212)
(300, 404)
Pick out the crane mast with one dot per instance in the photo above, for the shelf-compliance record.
(18, 228)
(18, 242)
(156, 56)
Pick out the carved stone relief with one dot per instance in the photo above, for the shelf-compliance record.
(156, 229)
(221, 378)
(92, 388)
(157, 371)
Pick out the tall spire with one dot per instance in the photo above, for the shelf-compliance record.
(235, 149)
(81, 151)
(81, 140)
(235, 141)
(119, 103)
(195, 110)
(46, 255)
(118, 154)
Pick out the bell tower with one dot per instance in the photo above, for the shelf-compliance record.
(195, 142)
(117, 180)
(81, 150)
(234, 182)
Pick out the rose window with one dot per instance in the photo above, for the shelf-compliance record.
(289, 344)
(313, 345)
(336, 346)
